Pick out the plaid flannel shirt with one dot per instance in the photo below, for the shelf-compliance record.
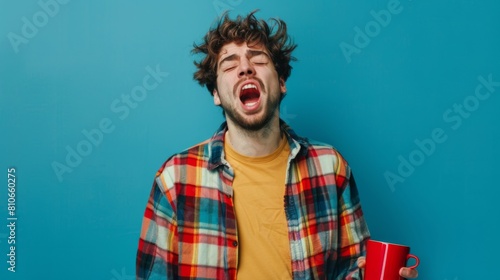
(189, 228)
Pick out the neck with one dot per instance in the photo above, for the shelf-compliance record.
(257, 143)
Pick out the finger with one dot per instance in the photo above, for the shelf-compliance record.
(408, 273)
(361, 262)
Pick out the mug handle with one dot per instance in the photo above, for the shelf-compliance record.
(417, 261)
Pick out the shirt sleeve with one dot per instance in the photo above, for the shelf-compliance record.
(353, 232)
(157, 254)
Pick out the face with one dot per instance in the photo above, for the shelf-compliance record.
(248, 87)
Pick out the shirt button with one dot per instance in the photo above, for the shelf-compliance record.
(235, 243)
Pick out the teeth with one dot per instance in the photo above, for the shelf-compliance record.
(247, 86)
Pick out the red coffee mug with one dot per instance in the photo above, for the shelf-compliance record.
(384, 260)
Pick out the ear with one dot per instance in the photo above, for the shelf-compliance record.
(215, 93)
(282, 86)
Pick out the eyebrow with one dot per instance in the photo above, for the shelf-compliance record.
(249, 54)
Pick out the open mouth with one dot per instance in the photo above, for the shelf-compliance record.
(249, 95)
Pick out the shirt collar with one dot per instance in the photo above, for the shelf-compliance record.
(215, 145)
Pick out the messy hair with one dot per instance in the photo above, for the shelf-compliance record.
(248, 30)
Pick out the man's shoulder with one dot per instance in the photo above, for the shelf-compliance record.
(205, 154)
(321, 147)
(323, 153)
(195, 156)
(311, 147)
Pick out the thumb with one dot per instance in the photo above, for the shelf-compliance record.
(361, 262)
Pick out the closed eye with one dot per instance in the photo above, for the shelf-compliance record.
(229, 68)
(260, 59)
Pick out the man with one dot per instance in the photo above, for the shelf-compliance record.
(256, 201)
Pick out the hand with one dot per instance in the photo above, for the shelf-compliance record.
(403, 272)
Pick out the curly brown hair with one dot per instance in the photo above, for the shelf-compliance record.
(243, 29)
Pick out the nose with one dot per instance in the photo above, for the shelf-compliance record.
(246, 68)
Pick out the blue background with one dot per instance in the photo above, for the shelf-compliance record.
(373, 105)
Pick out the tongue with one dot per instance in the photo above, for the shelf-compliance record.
(250, 96)
(250, 100)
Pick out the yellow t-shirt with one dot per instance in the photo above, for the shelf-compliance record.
(259, 190)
